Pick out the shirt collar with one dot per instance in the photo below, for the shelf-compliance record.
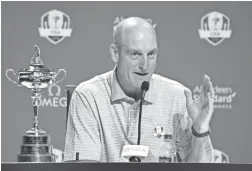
(118, 94)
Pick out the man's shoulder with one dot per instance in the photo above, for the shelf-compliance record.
(168, 84)
(94, 84)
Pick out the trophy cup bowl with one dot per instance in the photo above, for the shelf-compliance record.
(36, 145)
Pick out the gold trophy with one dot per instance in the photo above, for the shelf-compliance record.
(36, 145)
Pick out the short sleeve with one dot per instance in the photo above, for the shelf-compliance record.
(82, 134)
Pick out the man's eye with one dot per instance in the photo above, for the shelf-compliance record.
(135, 55)
(152, 55)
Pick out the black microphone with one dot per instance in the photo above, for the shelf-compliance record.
(144, 88)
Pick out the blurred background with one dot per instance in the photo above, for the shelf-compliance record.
(183, 56)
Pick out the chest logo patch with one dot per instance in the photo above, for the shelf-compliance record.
(159, 131)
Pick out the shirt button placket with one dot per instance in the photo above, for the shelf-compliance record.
(131, 120)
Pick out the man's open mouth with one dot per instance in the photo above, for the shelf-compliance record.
(141, 74)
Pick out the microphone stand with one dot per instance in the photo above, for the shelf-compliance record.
(135, 158)
(139, 122)
(144, 89)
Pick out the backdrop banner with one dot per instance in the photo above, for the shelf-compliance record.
(194, 38)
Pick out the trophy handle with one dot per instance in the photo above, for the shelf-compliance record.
(11, 70)
(58, 74)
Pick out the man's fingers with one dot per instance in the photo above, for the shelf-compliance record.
(205, 85)
(206, 78)
(211, 90)
(210, 103)
(188, 95)
(209, 86)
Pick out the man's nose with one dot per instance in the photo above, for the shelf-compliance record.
(143, 65)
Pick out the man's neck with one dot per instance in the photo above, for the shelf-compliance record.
(136, 96)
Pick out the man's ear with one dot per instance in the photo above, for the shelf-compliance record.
(114, 53)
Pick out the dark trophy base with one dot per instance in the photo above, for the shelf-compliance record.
(37, 159)
(36, 147)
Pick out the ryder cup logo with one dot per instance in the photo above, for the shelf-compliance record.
(55, 26)
(158, 131)
(215, 27)
(54, 99)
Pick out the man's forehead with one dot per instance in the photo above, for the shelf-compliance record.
(138, 33)
(139, 39)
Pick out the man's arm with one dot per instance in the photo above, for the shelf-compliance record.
(83, 133)
(201, 150)
(190, 148)
(200, 112)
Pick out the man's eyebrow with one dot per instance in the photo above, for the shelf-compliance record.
(139, 51)
(154, 50)
(134, 50)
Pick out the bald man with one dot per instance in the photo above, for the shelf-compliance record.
(104, 111)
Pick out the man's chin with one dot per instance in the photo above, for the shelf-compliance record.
(139, 82)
